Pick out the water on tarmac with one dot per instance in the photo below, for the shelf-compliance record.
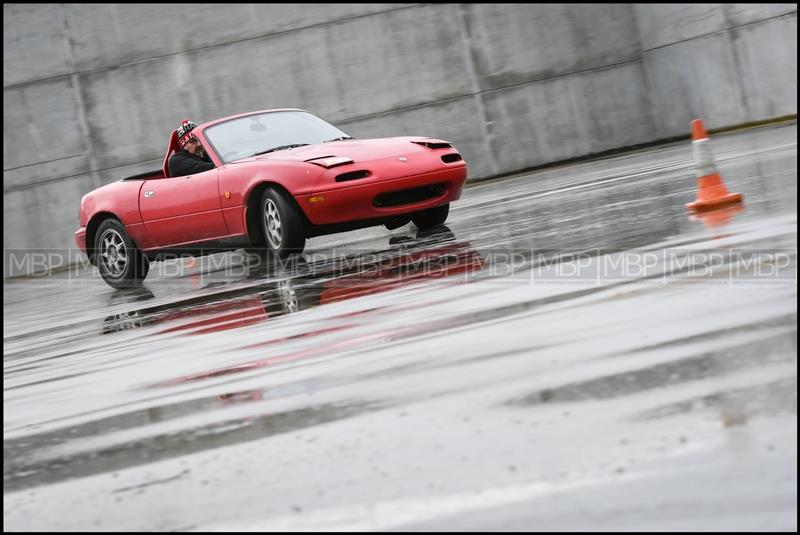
(573, 350)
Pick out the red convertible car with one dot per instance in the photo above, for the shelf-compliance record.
(280, 176)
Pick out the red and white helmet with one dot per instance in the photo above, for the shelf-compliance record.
(185, 132)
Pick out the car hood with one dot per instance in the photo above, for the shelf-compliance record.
(359, 150)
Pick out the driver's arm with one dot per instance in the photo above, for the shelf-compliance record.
(182, 166)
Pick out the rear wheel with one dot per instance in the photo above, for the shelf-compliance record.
(283, 228)
(432, 217)
(121, 263)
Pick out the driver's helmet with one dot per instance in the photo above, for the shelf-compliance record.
(185, 132)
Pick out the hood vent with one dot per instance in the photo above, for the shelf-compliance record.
(352, 175)
(434, 144)
(330, 161)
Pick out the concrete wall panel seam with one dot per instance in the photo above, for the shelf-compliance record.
(643, 72)
(791, 14)
(736, 62)
(476, 87)
(75, 82)
(60, 158)
(567, 75)
(155, 165)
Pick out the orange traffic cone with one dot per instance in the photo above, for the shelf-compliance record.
(714, 219)
(711, 192)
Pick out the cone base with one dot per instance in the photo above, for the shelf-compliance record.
(714, 219)
(711, 204)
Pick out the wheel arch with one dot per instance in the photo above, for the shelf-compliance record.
(91, 230)
(252, 213)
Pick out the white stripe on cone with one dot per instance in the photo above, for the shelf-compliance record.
(703, 158)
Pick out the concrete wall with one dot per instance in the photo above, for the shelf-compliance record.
(90, 92)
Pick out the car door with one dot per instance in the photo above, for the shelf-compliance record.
(183, 209)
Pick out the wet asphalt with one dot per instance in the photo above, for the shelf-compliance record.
(573, 350)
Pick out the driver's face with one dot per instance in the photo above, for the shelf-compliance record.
(193, 146)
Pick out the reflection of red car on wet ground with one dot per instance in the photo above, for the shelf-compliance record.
(252, 305)
(445, 261)
(392, 271)
(280, 177)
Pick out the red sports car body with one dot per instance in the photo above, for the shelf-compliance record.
(280, 177)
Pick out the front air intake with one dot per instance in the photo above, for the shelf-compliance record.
(450, 158)
(409, 196)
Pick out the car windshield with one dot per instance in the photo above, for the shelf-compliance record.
(253, 134)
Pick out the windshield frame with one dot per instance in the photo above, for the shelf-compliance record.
(216, 152)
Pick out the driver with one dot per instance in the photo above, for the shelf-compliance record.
(192, 157)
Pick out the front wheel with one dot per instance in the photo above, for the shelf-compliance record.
(432, 217)
(282, 226)
(121, 263)
(397, 222)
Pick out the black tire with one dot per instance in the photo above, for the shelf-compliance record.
(283, 227)
(397, 222)
(432, 217)
(121, 263)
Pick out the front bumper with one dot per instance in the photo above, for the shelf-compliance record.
(356, 202)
